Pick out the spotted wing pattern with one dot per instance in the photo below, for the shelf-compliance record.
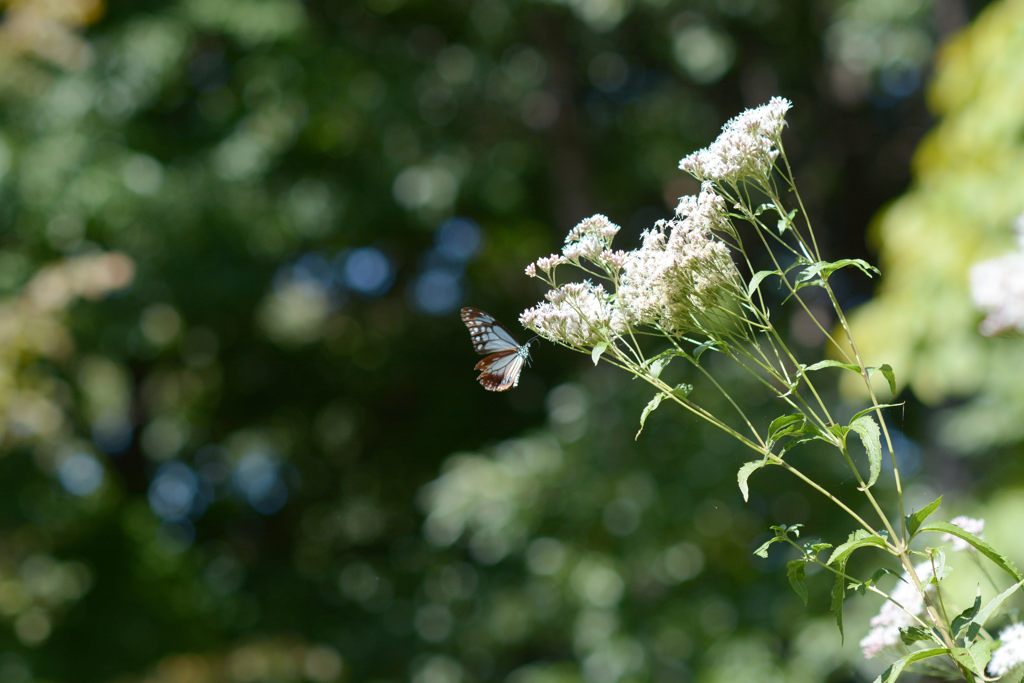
(499, 370)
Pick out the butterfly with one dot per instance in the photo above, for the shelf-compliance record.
(505, 357)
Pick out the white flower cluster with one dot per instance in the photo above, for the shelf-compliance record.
(997, 287)
(746, 148)
(1010, 653)
(681, 279)
(968, 524)
(886, 625)
(579, 314)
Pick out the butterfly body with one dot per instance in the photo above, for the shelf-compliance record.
(504, 357)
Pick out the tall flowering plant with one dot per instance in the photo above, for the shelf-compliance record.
(690, 289)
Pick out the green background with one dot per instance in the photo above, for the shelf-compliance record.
(246, 444)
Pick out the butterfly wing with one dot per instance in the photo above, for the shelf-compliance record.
(487, 334)
(500, 371)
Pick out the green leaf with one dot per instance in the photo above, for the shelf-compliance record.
(981, 546)
(858, 539)
(823, 269)
(867, 429)
(820, 365)
(796, 573)
(894, 671)
(839, 558)
(914, 634)
(916, 519)
(599, 348)
(975, 656)
(652, 405)
(699, 350)
(793, 426)
(744, 474)
(962, 620)
(871, 409)
(986, 612)
(657, 365)
(756, 280)
(890, 376)
(682, 390)
(785, 221)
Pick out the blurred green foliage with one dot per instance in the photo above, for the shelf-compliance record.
(234, 236)
(968, 190)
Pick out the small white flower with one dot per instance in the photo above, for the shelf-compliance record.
(747, 146)
(545, 264)
(1010, 653)
(886, 625)
(589, 238)
(683, 277)
(579, 314)
(968, 524)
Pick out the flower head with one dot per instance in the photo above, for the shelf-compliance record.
(683, 278)
(1010, 653)
(747, 146)
(578, 314)
(898, 613)
(589, 239)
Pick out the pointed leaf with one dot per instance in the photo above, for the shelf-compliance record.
(820, 365)
(755, 281)
(839, 558)
(871, 409)
(894, 671)
(651, 406)
(986, 612)
(744, 474)
(796, 573)
(916, 519)
(981, 546)
(867, 429)
(961, 620)
(599, 348)
(914, 634)
(657, 365)
(890, 376)
(975, 656)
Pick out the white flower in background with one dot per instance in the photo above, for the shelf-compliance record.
(968, 524)
(997, 287)
(886, 625)
(579, 314)
(747, 146)
(1010, 653)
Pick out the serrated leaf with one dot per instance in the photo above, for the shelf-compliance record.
(699, 350)
(916, 519)
(796, 571)
(961, 621)
(894, 671)
(599, 348)
(785, 221)
(744, 473)
(975, 656)
(657, 365)
(889, 375)
(867, 429)
(823, 269)
(839, 558)
(756, 280)
(682, 390)
(871, 409)
(986, 612)
(858, 539)
(914, 634)
(651, 406)
(822, 364)
(762, 550)
(981, 546)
